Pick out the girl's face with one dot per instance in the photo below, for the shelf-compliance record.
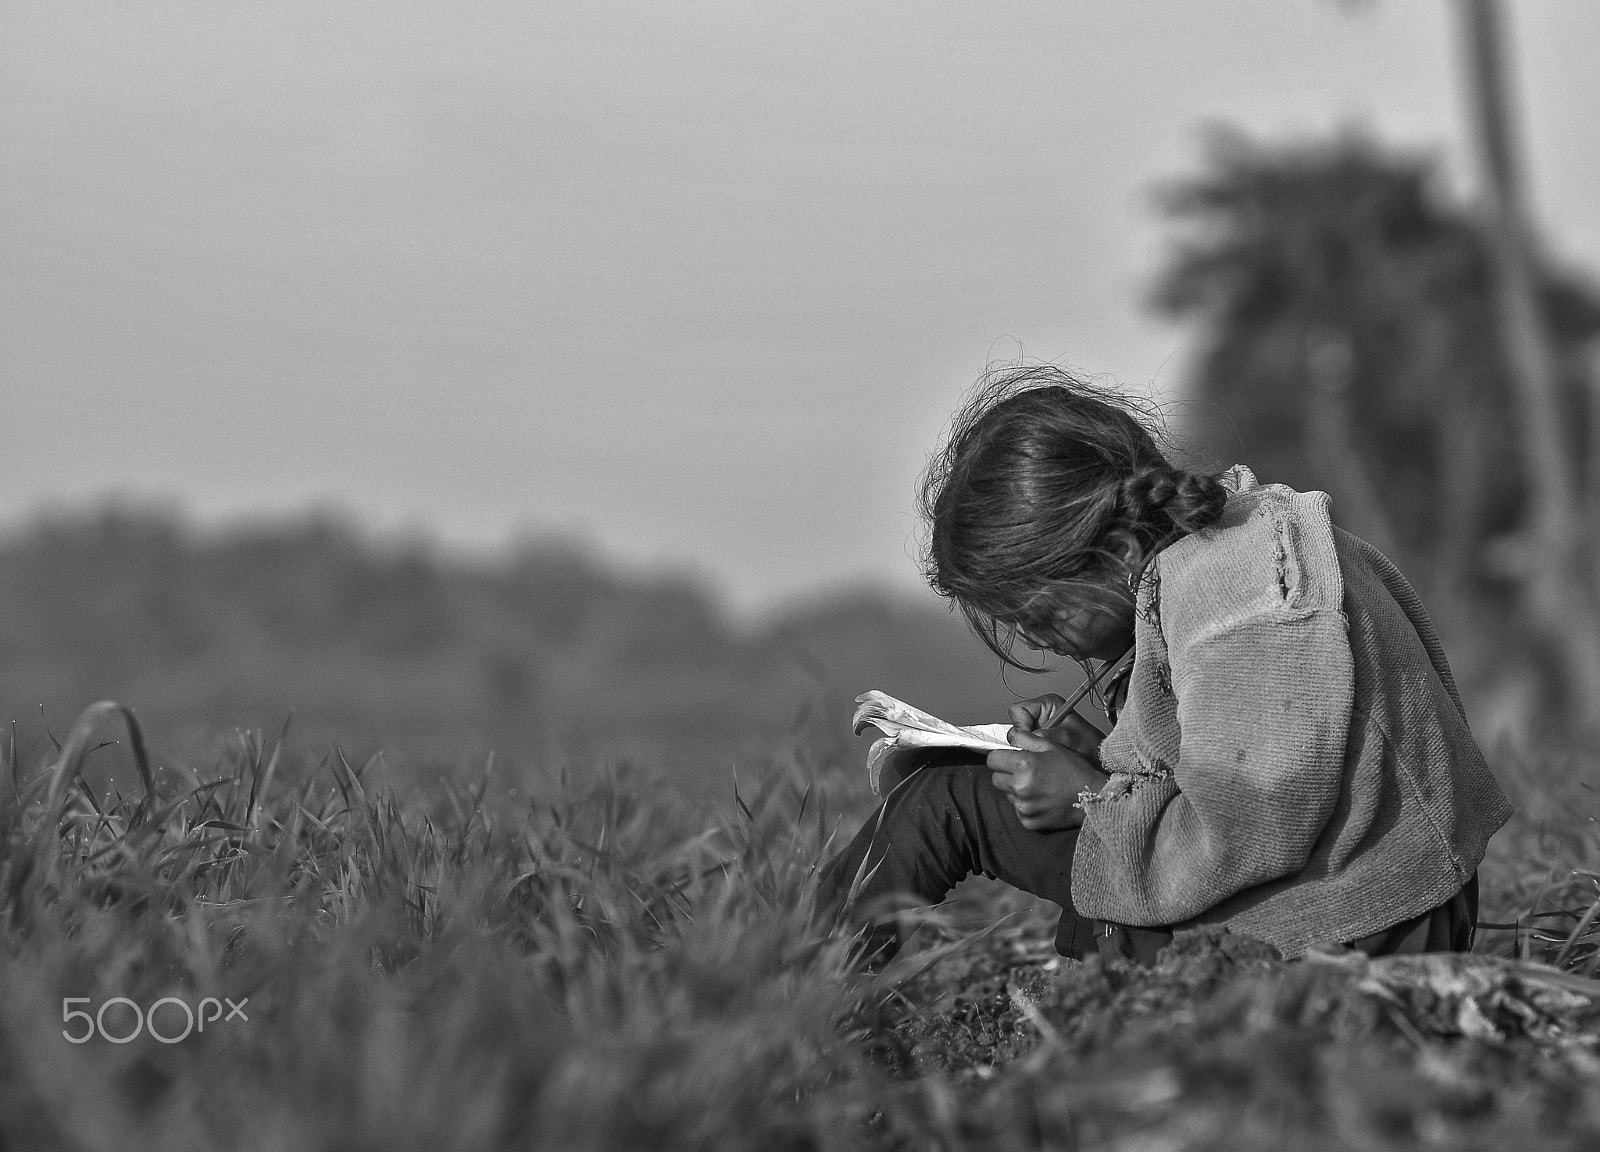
(1079, 631)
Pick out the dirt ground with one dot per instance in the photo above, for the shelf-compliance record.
(1222, 1045)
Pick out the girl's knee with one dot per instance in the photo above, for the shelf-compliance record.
(942, 782)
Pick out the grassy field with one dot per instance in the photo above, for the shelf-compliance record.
(597, 962)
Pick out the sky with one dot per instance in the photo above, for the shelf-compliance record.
(695, 283)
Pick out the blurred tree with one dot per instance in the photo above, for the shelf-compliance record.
(1558, 576)
(1348, 315)
(435, 655)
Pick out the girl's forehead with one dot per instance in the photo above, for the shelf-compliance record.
(1062, 601)
(1040, 606)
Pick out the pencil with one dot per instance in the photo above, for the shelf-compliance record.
(1100, 674)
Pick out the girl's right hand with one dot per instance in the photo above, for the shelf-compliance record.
(1049, 716)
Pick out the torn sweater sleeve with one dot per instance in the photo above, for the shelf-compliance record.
(1263, 704)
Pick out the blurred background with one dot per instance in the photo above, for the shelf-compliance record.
(552, 378)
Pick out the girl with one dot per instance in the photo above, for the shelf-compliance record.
(1288, 756)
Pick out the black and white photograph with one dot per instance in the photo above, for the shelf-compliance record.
(694, 576)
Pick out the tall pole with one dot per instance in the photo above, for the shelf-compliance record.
(1559, 588)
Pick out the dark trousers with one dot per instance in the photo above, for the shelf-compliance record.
(945, 821)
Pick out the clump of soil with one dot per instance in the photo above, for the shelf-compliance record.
(1096, 1002)
(1221, 1044)
(987, 1006)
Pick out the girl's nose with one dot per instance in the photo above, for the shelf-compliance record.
(1051, 643)
(1033, 641)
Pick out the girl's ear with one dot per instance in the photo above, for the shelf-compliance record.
(1134, 560)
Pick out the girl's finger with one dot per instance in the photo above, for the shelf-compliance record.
(1002, 760)
(1051, 708)
(1030, 715)
(1028, 741)
(1014, 784)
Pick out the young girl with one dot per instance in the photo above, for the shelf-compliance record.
(1289, 756)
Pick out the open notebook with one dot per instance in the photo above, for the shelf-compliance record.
(906, 729)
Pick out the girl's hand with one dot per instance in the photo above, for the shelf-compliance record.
(1049, 716)
(1042, 779)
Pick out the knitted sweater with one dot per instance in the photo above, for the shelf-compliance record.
(1292, 760)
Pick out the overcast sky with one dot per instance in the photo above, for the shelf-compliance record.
(696, 282)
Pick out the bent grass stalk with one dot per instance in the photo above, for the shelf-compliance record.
(424, 924)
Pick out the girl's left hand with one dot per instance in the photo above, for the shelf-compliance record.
(1042, 780)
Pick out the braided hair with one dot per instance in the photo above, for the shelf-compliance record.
(1050, 487)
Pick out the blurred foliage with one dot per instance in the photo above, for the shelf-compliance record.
(1349, 334)
(547, 650)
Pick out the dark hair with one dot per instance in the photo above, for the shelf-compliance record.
(1050, 484)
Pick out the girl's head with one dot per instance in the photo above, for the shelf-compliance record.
(1048, 498)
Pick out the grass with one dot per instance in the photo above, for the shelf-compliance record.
(1542, 872)
(581, 971)
(597, 965)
